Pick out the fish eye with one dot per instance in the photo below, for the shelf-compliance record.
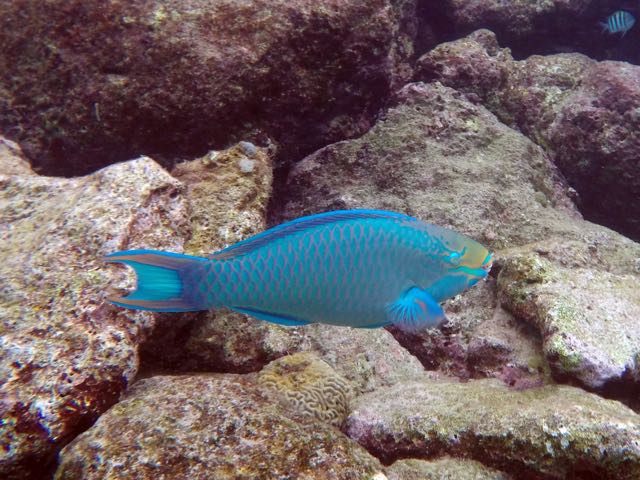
(456, 257)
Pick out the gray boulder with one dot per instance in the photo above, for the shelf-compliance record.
(586, 308)
(84, 83)
(583, 112)
(548, 432)
(210, 426)
(67, 355)
(442, 158)
(445, 468)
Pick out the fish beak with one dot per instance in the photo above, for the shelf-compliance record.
(487, 263)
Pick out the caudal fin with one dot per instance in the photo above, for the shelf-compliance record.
(165, 281)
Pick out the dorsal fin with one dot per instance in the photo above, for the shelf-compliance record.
(299, 225)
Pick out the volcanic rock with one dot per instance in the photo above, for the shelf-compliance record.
(586, 309)
(87, 83)
(549, 432)
(445, 468)
(583, 112)
(67, 355)
(210, 426)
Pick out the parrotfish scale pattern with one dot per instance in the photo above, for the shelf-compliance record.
(340, 268)
(342, 273)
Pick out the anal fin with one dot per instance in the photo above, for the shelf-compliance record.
(374, 326)
(415, 310)
(271, 317)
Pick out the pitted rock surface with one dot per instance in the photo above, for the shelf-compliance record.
(549, 432)
(210, 426)
(66, 354)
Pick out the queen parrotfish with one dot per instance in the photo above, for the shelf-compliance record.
(357, 268)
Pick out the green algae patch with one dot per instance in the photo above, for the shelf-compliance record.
(528, 268)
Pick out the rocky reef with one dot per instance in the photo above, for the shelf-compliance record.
(188, 126)
(582, 112)
(231, 429)
(181, 77)
(561, 431)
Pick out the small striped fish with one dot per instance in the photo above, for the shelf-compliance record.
(356, 268)
(620, 21)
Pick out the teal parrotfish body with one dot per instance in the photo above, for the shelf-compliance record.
(357, 268)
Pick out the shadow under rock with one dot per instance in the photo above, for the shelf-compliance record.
(625, 390)
(162, 351)
(212, 342)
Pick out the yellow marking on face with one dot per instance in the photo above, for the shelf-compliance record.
(476, 256)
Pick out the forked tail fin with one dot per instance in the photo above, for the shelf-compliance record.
(166, 282)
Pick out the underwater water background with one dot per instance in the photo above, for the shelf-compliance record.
(187, 126)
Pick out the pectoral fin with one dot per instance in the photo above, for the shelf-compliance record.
(415, 310)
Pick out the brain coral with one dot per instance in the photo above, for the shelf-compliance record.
(309, 385)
